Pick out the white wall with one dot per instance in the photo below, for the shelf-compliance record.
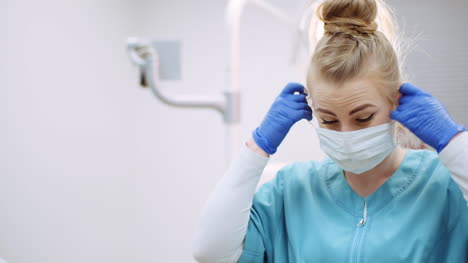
(68, 136)
(438, 62)
(92, 167)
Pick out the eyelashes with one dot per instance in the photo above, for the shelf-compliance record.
(328, 122)
(366, 119)
(358, 120)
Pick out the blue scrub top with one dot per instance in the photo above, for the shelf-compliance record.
(309, 213)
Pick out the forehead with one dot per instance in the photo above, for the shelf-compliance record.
(348, 94)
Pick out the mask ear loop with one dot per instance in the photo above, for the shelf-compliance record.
(313, 122)
(397, 130)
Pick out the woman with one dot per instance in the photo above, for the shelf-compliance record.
(372, 200)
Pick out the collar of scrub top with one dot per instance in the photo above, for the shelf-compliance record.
(402, 181)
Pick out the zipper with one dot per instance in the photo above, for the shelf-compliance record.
(355, 249)
(364, 216)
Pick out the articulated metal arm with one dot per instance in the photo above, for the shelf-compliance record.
(145, 56)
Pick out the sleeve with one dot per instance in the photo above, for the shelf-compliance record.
(455, 157)
(265, 217)
(223, 222)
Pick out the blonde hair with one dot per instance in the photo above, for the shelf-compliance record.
(360, 38)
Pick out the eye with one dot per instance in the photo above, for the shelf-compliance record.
(328, 122)
(366, 119)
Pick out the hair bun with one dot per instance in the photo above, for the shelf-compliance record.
(349, 26)
(349, 16)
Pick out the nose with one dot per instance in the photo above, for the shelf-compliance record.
(346, 128)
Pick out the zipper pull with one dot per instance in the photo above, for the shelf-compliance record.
(364, 218)
(362, 222)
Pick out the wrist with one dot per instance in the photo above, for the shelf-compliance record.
(255, 148)
(458, 129)
(262, 142)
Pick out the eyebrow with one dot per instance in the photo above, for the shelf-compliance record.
(325, 111)
(360, 108)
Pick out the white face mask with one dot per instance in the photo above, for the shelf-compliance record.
(358, 151)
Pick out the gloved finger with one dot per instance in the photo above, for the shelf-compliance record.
(297, 105)
(403, 100)
(306, 115)
(410, 89)
(299, 111)
(404, 108)
(401, 114)
(302, 106)
(291, 87)
(297, 98)
(306, 107)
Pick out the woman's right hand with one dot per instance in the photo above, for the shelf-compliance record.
(287, 109)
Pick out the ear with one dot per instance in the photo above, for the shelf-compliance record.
(396, 97)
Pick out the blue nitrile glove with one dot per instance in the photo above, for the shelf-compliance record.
(287, 109)
(426, 117)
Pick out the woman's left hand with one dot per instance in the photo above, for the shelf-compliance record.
(426, 117)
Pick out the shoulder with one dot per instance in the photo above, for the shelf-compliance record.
(425, 163)
(305, 170)
(436, 183)
(428, 170)
(300, 176)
